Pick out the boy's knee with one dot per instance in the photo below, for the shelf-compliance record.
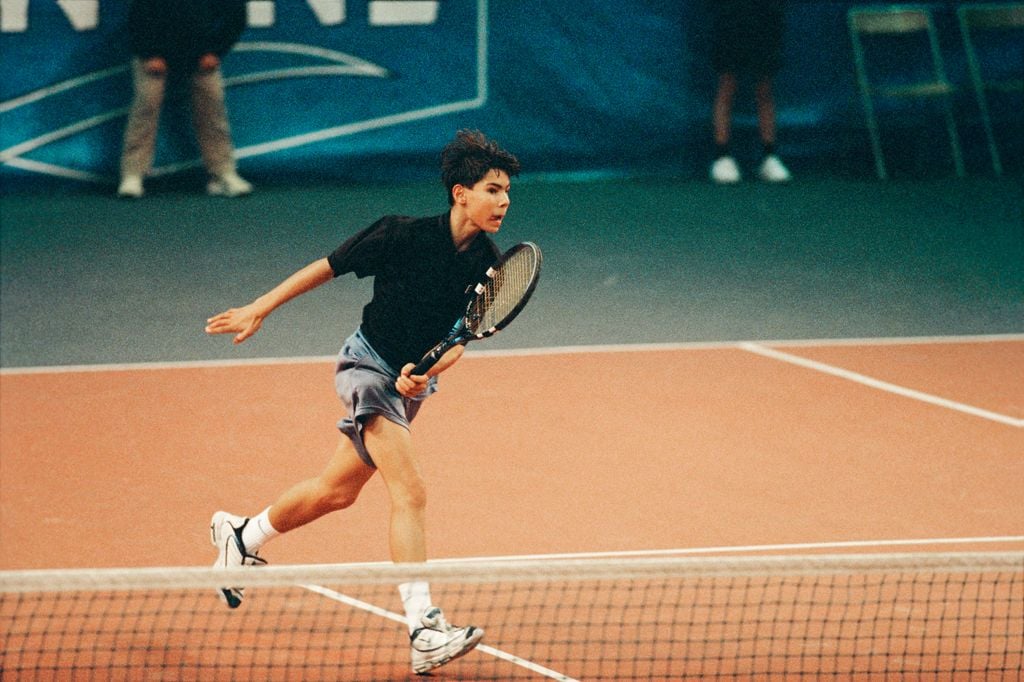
(411, 495)
(337, 497)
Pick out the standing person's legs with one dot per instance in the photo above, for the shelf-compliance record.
(210, 118)
(724, 169)
(140, 131)
(772, 169)
(769, 20)
(765, 111)
(722, 111)
(213, 132)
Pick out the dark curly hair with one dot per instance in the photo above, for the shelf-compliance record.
(469, 157)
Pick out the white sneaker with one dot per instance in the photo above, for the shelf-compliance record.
(773, 170)
(228, 185)
(226, 536)
(724, 171)
(436, 642)
(130, 187)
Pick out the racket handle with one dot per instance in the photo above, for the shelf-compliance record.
(431, 358)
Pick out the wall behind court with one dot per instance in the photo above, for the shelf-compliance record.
(371, 89)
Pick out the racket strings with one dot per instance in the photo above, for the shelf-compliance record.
(504, 292)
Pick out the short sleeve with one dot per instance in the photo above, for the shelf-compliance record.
(364, 253)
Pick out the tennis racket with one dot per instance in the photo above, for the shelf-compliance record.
(496, 300)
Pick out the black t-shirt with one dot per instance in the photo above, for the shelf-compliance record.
(420, 284)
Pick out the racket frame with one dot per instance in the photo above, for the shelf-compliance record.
(461, 332)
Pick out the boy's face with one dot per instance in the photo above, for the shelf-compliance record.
(486, 202)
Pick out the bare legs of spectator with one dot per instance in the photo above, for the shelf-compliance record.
(724, 170)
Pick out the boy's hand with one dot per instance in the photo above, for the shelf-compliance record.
(243, 322)
(209, 62)
(155, 66)
(410, 385)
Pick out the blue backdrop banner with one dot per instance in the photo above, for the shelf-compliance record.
(373, 88)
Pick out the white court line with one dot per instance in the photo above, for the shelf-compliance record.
(547, 672)
(390, 615)
(759, 348)
(166, 365)
(730, 549)
(726, 345)
(749, 549)
(472, 353)
(727, 549)
(567, 350)
(881, 385)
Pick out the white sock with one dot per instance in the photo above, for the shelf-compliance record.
(258, 532)
(416, 599)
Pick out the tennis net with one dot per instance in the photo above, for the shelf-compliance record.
(862, 616)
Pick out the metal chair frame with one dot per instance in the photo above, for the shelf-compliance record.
(900, 20)
(974, 18)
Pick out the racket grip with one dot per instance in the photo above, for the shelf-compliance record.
(424, 366)
(430, 359)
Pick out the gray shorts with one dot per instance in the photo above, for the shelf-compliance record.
(366, 386)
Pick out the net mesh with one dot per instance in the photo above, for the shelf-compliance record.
(505, 292)
(865, 617)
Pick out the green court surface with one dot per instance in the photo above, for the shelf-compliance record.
(87, 278)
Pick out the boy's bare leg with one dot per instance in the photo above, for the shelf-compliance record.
(434, 642)
(337, 487)
(390, 445)
(239, 539)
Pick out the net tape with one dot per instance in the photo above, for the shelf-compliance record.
(871, 616)
(511, 570)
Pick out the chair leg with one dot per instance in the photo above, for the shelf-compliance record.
(986, 122)
(876, 141)
(865, 96)
(947, 100)
(954, 140)
(979, 93)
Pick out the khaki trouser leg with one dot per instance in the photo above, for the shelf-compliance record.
(210, 118)
(143, 118)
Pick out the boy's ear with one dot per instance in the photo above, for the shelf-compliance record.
(459, 194)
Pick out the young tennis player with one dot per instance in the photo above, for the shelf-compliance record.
(422, 268)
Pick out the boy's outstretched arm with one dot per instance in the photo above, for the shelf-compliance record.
(246, 321)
